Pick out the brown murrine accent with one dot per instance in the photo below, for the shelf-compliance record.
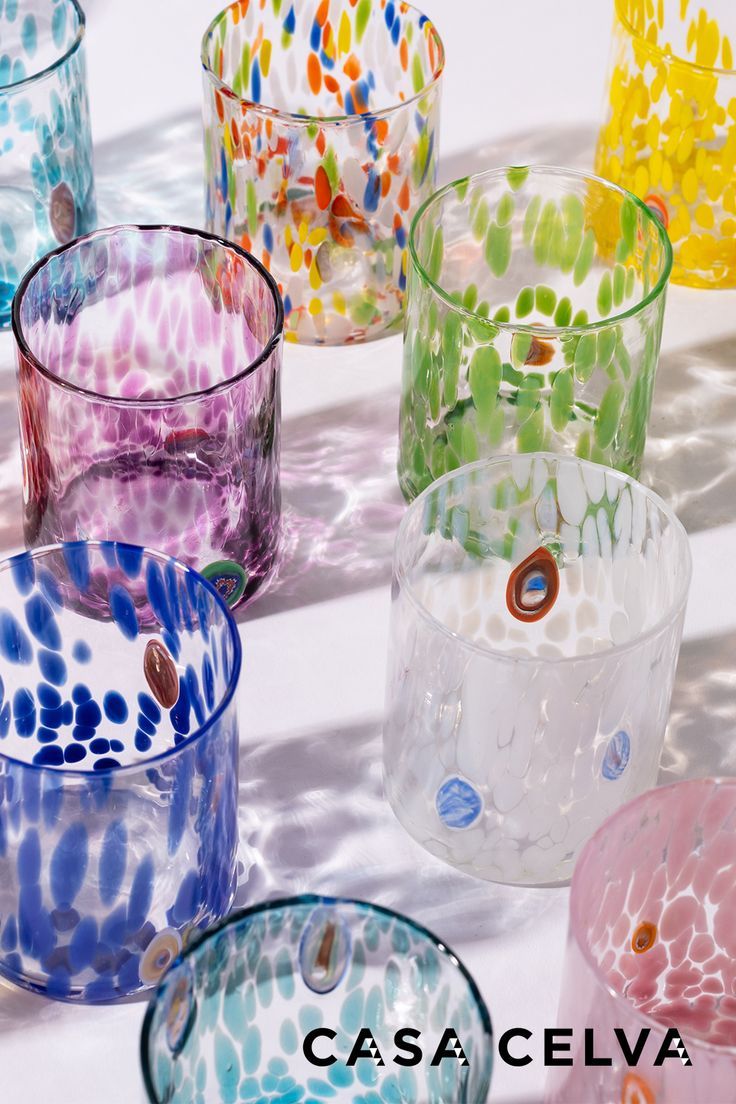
(62, 215)
(161, 674)
(533, 586)
(324, 954)
(540, 353)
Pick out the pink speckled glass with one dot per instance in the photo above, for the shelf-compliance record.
(148, 374)
(652, 944)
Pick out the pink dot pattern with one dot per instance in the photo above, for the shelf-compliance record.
(667, 859)
(154, 417)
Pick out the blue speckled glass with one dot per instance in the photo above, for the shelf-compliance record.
(229, 1020)
(118, 766)
(46, 182)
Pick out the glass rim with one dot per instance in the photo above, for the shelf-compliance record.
(226, 698)
(661, 624)
(299, 119)
(110, 232)
(667, 55)
(540, 330)
(575, 923)
(57, 62)
(285, 903)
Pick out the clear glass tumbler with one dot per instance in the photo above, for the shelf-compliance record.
(237, 1015)
(47, 191)
(669, 133)
(321, 140)
(118, 766)
(538, 604)
(533, 323)
(652, 948)
(149, 364)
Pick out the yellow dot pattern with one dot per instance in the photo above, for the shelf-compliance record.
(670, 131)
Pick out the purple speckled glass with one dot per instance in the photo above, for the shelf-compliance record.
(148, 375)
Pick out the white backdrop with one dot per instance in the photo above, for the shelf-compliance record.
(524, 82)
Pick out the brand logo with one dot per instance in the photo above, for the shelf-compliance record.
(407, 1050)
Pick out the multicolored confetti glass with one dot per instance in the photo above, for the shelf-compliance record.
(538, 604)
(665, 866)
(670, 129)
(46, 185)
(118, 812)
(232, 1016)
(149, 385)
(321, 136)
(533, 323)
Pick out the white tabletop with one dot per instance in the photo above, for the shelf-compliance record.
(524, 82)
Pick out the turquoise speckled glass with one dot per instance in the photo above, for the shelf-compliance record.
(313, 998)
(47, 192)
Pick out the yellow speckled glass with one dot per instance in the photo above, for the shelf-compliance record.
(670, 129)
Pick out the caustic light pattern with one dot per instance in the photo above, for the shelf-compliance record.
(533, 323)
(507, 741)
(321, 136)
(46, 183)
(670, 129)
(228, 1021)
(103, 871)
(653, 912)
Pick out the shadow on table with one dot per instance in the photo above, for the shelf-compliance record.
(153, 174)
(691, 445)
(342, 504)
(314, 819)
(570, 146)
(701, 736)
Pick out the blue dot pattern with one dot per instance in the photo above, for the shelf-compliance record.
(616, 757)
(45, 138)
(458, 804)
(228, 1021)
(105, 872)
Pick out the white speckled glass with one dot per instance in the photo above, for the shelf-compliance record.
(538, 604)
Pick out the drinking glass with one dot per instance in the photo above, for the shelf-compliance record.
(234, 1016)
(533, 322)
(669, 133)
(538, 604)
(149, 363)
(118, 766)
(652, 947)
(47, 191)
(321, 140)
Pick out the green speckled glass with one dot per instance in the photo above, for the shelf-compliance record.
(229, 1021)
(535, 303)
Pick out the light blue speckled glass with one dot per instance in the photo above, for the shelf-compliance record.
(46, 181)
(230, 1018)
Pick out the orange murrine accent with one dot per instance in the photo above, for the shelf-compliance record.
(533, 586)
(644, 937)
(657, 206)
(635, 1090)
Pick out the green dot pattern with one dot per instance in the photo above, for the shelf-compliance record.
(541, 330)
